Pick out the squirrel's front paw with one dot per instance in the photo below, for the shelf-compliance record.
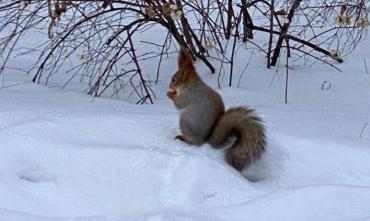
(171, 94)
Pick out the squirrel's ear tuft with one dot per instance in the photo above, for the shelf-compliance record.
(185, 60)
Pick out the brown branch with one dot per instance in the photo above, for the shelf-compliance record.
(284, 31)
(247, 22)
(307, 43)
(230, 13)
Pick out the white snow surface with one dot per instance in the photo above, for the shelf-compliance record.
(67, 156)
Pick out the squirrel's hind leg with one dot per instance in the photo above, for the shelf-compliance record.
(189, 140)
(189, 134)
(183, 139)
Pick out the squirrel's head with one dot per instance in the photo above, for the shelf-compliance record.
(185, 73)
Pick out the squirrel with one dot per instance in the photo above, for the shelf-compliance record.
(203, 117)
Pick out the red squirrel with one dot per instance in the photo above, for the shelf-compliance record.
(203, 117)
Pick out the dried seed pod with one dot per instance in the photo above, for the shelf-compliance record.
(83, 57)
(362, 23)
(166, 9)
(208, 45)
(150, 11)
(176, 15)
(336, 54)
(343, 20)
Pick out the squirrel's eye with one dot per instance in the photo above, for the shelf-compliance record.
(173, 80)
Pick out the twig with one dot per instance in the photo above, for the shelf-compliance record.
(272, 10)
(286, 78)
(134, 57)
(233, 49)
(365, 63)
(160, 58)
(363, 129)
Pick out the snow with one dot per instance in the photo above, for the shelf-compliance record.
(67, 156)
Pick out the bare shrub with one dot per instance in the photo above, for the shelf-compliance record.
(104, 34)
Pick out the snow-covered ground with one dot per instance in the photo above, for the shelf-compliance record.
(67, 156)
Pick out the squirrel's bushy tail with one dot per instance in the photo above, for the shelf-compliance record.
(250, 136)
